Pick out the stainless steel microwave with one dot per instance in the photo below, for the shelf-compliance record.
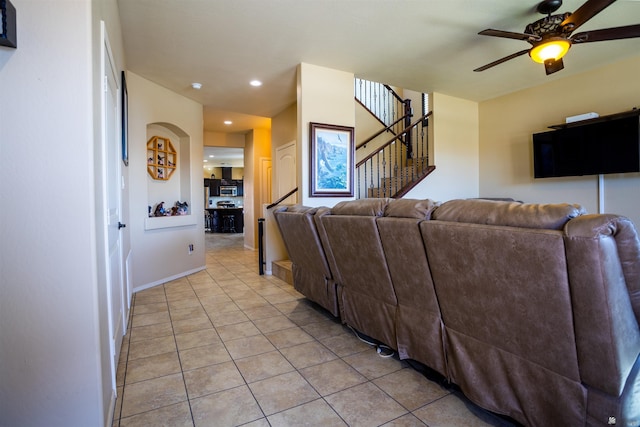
(228, 190)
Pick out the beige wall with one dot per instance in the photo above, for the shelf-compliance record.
(257, 148)
(324, 96)
(284, 130)
(508, 122)
(284, 127)
(455, 153)
(161, 254)
(366, 126)
(219, 139)
(54, 337)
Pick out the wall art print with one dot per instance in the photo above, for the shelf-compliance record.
(332, 154)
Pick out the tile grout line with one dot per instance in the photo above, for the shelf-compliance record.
(246, 384)
(126, 362)
(256, 286)
(184, 382)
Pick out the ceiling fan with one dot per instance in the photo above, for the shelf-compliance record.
(551, 38)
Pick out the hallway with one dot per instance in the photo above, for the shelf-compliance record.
(228, 347)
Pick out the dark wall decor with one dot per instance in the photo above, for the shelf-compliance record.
(8, 24)
(125, 122)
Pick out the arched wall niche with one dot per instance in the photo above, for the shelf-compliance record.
(177, 188)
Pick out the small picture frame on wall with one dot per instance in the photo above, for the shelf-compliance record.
(125, 121)
(8, 29)
(332, 154)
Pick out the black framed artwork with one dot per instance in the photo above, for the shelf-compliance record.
(8, 29)
(125, 121)
(332, 154)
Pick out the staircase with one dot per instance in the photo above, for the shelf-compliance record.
(391, 168)
(409, 175)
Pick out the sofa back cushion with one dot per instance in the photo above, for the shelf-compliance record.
(506, 307)
(313, 276)
(419, 325)
(512, 214)
(301, 239)
(367, 296)
(506, 287)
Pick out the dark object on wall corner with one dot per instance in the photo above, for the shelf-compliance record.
(8, 24)
(609, 144)
(125, 120)
(226, 174)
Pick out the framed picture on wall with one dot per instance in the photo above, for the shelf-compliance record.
(332, 154)
(125, 122)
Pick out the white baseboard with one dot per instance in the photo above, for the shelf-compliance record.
(167, 279)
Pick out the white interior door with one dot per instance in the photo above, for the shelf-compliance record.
(285, 170)
(111, 150)
(265, 180)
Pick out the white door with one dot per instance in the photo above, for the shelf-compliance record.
(285, 170)
(111, 151)
(265, 180)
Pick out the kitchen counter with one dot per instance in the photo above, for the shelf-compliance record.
(226, 220)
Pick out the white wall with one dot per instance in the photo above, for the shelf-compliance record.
(455, 153)
(508, 122)
(50, 345)
(162, 254)
(324, 96)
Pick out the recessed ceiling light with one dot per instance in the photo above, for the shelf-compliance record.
(228, 122)
(205, 160)
(196, 86)
(211, 155)
(255, 83)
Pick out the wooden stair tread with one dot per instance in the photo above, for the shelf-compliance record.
(283, 270)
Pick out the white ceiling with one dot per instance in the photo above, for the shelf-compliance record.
(223, 157)
(423, 45)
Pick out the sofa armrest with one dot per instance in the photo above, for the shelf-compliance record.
(603, 259)
(627, 244)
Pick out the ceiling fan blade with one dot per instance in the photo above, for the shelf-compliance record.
(615, 33)
(585, 12)
(501, 60)
(509, 35)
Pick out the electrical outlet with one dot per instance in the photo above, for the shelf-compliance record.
(190, 248)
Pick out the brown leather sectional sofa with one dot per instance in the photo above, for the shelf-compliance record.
(533, 310)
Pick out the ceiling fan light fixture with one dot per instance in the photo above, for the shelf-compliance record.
(554, 48)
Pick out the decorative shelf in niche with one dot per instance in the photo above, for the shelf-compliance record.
(161, 158)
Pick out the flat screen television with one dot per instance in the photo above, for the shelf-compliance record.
(599, 146)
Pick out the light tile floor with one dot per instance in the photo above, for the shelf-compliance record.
(228, 347)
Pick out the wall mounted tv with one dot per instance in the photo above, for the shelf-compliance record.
(608, 144)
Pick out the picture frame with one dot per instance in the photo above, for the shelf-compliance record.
(125, 121)
(8, 29)
(332, 160)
